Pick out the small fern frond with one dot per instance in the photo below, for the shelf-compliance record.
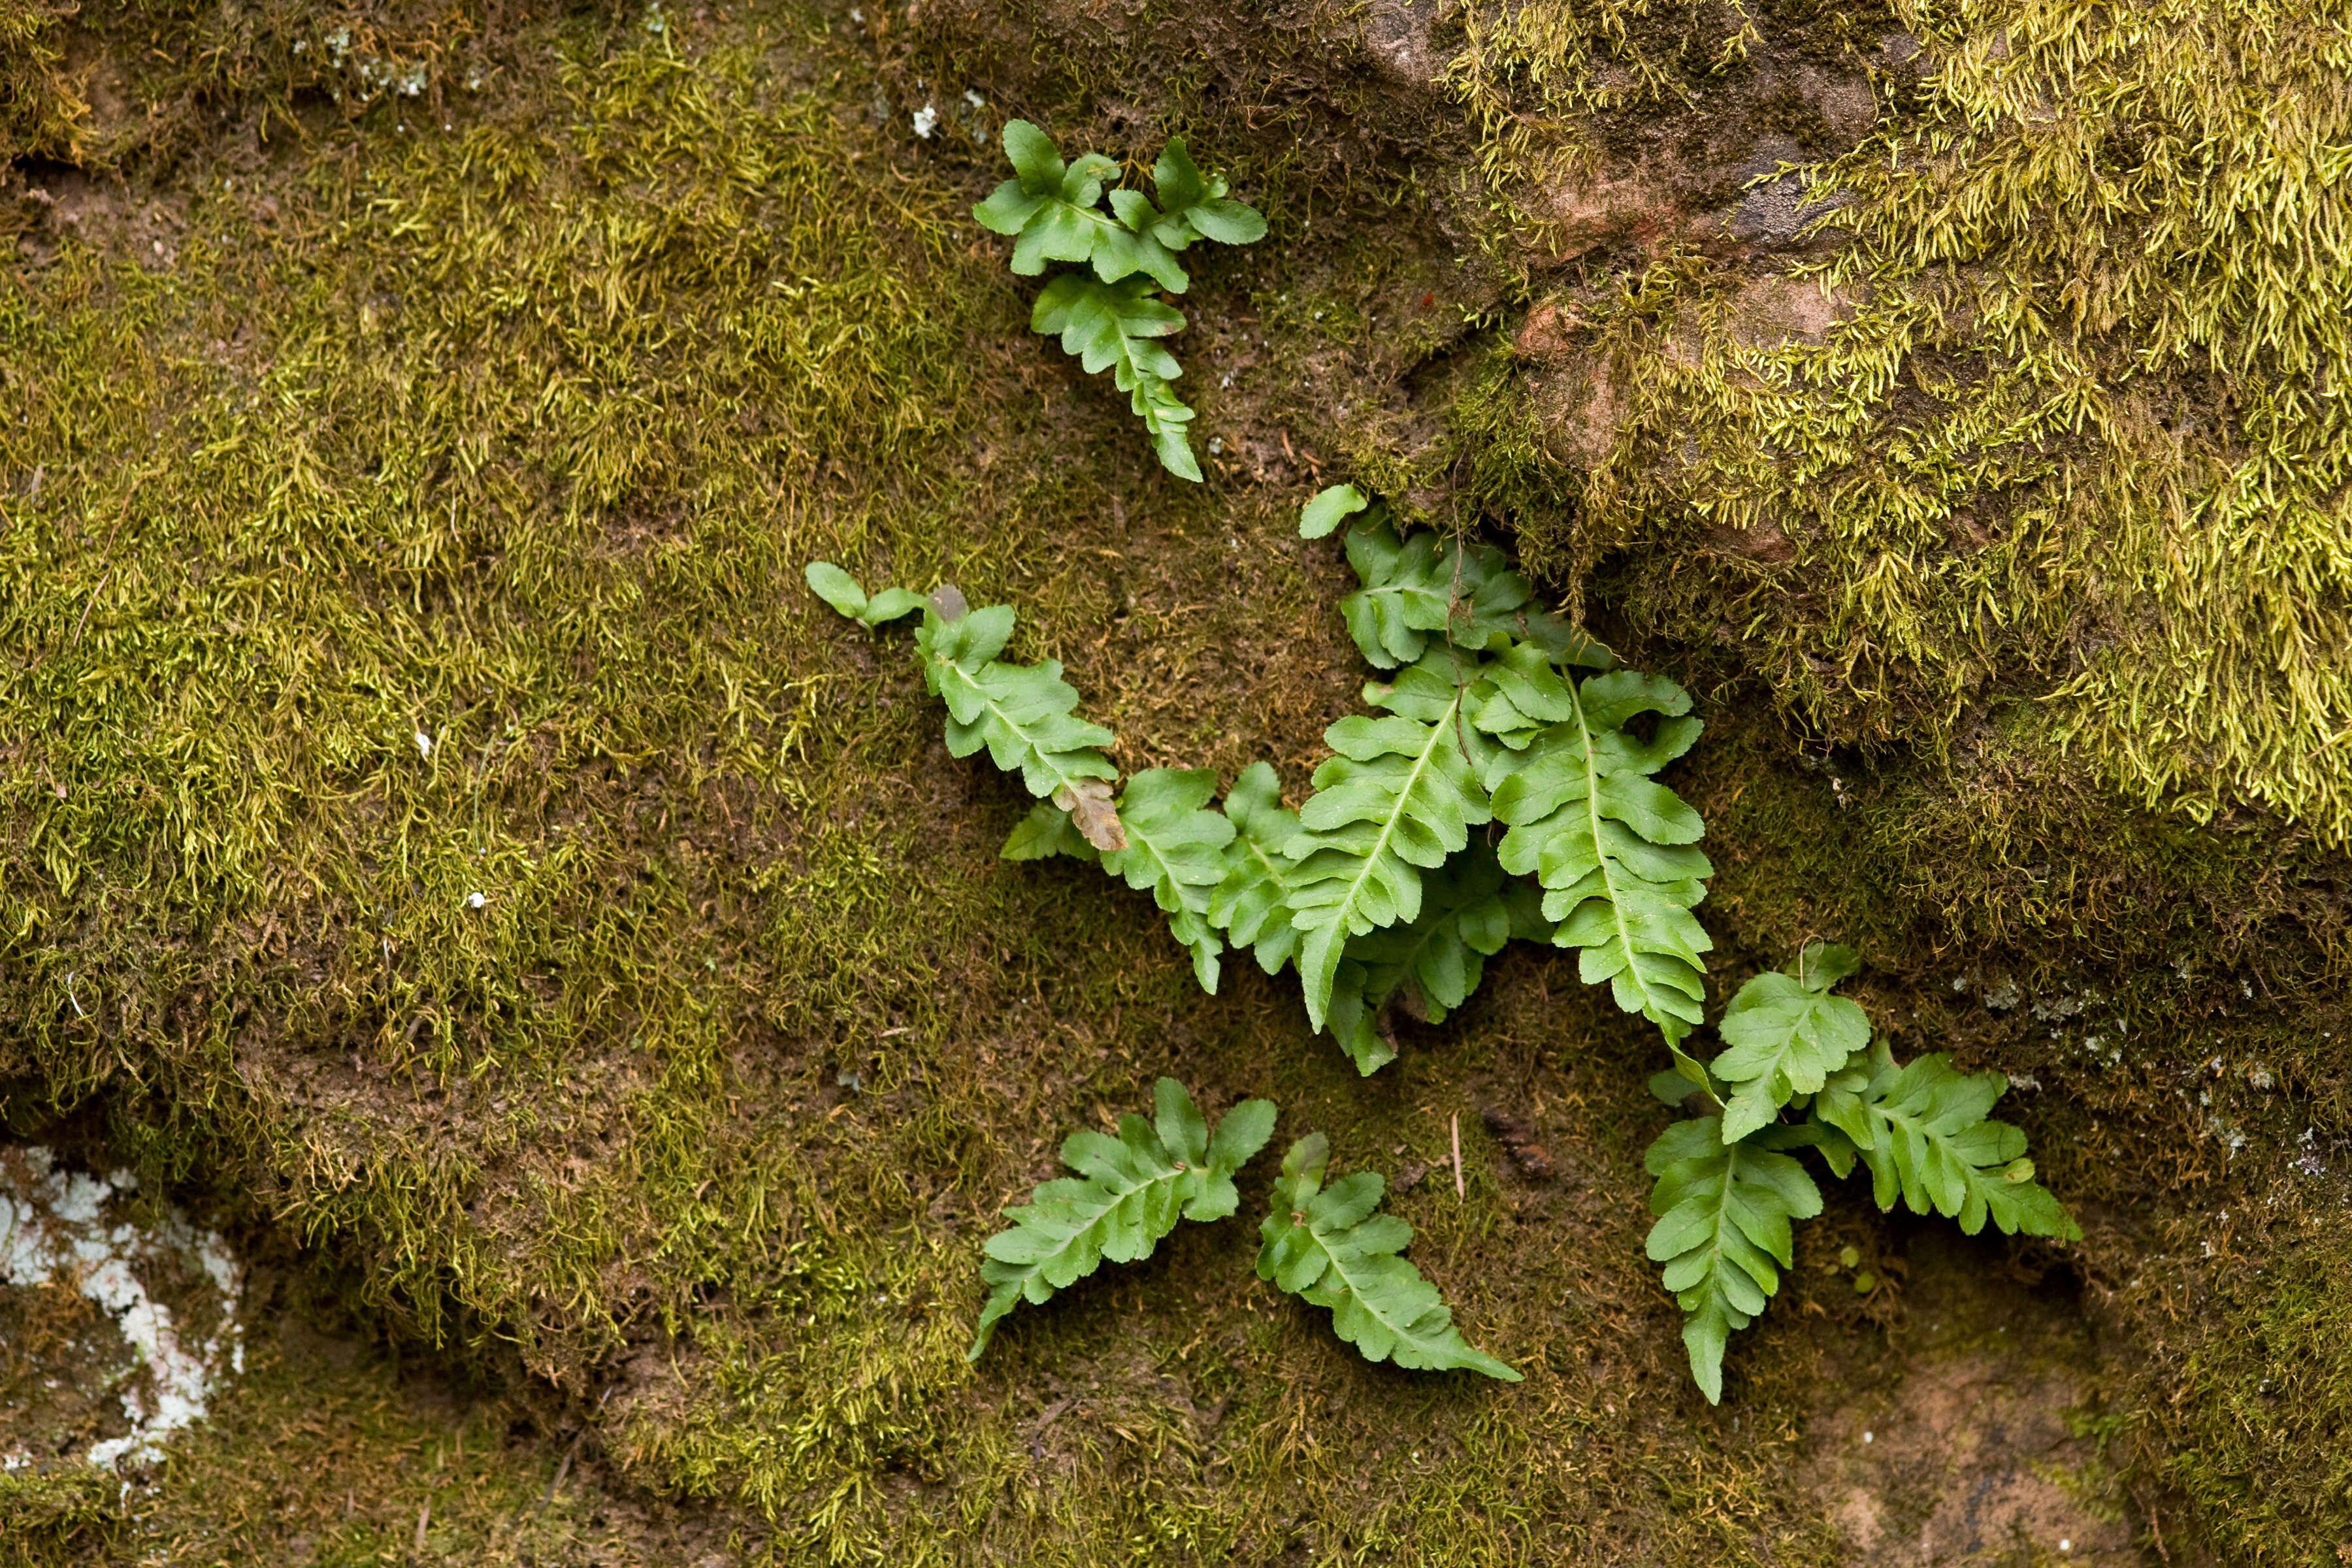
(1252, 901)
(1723, 1231)
(1616, 851)
(1786, 1035)
(1192, 205)
(1021, 713)
(1129, 1192)
(1115, 326)
(1400, 796)
(1924, 1132)
(1327, 1247)
(1430, 966)
(1175, 849)
(1330, 506)
(839, 589)
(1052, 211)
(1418, 586)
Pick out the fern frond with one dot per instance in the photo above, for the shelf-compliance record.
(1723, 1231)
(1051, 210)
(1924, 1132)
(1329, 1247)
(1430, 966)
(1021, 713)
(839, 589)
(1400, 796)
(1616, 851)
(1420, 586)
(1175, 849)
(1129, 1192)
(1252, 901)
(1786, 1035)
(1114, 326)
(1192, 205)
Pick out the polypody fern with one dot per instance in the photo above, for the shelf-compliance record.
(1129, 1192)
(1388, 891)
(1730, 1186)
(1108, 316)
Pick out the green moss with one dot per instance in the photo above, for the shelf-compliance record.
(2258, 1392)
(41, 110)
(53, 1516)
(2051, 449)
(512, 427)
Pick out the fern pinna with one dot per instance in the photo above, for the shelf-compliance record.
(1505, 787)
(1129, 1192)
(1109, 315)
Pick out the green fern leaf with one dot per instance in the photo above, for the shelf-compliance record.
(1786, 1035)
(1469, 909)
(1332, 504)
(1401, 795)
(1045, 832)
(1616, 852)
(1052, 212)
(1192, 205)
(1418, 586)
(1252, 901)
(1115, 326)
(1023, 714)
(1723, 1231)
(1175, 848)
(839, 589)
(1923, 1131)
(1327, 1247)
(1129, 1192)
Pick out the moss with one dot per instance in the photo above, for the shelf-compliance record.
(2049, 449)
(510, 425)
(2252, 1416)
(53, 1516)
(41, 111)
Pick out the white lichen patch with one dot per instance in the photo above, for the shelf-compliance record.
(60, 1227)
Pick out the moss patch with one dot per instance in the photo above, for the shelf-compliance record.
(407, 500)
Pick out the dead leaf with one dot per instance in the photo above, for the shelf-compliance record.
(1088, 804)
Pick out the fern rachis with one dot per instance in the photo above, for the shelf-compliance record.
(1615, 851)
(1724, 1223)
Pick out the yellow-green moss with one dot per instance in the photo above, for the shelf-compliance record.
(514, 429)
(41, 112)
(2074, 436)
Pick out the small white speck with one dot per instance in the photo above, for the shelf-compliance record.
(2064, 1544)
(423, 743)
(1868, 1437)
(858, 15)
(475, 901)
(971, 96)
(927, 120)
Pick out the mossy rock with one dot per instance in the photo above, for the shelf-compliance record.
(407, 495)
